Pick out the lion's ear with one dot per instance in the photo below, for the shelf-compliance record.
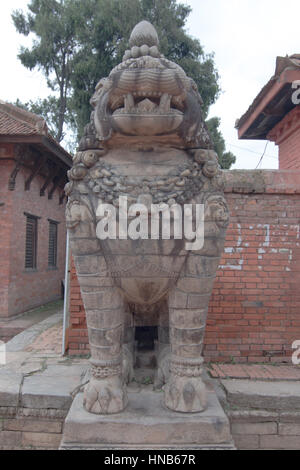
(195, 89)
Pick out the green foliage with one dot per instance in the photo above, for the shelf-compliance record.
(48, 109)
(105, 40)
(226, 159)
(54, 24)
(77, 42)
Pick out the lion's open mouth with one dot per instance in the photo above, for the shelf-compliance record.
(144, 103)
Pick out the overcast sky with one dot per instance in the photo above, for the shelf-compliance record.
(246, 36)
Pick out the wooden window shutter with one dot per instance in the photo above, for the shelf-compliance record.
(52, 252)
(31, 242)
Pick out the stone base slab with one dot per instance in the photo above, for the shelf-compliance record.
(279, 395)
(147, 424)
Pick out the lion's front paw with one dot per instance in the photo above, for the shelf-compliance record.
(105, 396)
(185, 394)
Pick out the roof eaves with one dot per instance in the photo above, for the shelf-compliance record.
(282, 64)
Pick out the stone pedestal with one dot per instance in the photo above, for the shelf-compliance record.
(147, 424)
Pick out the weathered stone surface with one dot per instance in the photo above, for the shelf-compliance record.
(289, 429)
(105, 355)
(186, 336)
(185, 394)
(186, 351)
(188, 318)
(51, 389)
(246, 442)
(105, 299)
(70, 370)
(107, 395)
(33, 425)
(10, 384)
(41, 440)
(91, 264)
(253, 416)
(198, 301)
(48, 392)
(290, 417)
(85, 246)
(105, 318)
(254, 428)
(8, 411)
(279, 395)
(279, 442)
(147, 142)
(89, 282)
(39, 413)
(178, 299)
(16, 348)
(146, 421)
(201, 266)
(10, 439)
(195, 285)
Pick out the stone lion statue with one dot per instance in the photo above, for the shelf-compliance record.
(146, 142)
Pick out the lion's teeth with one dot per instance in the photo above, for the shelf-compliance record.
(128, 102)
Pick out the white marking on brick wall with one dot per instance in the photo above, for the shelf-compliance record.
(240, 240)
(267, 239)
(233, 267)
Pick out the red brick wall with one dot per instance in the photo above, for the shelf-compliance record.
(77, 333)
(25, 289)
(254, 309)
(286, 134)
(289, 152)
(6, 151)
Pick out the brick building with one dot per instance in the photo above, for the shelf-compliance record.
(274, 115)
(33, 172)
(254, 309)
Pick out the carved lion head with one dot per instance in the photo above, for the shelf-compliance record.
(148, 96)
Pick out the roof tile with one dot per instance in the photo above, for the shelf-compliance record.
(17, 121)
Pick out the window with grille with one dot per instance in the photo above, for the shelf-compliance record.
(31, 242)
(52, 253)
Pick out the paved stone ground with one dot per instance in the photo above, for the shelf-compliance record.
(49, 341)
(45, 339)
(15, 325)
(40, 385)
(255, 372)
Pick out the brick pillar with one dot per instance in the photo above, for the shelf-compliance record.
(77, 332)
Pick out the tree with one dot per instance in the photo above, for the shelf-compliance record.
(54, 25)
(77, 42)
(48, 109)
(106, 38)
(226, 159)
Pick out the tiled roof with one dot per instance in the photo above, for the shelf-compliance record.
(282, 63)
(17, 121)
